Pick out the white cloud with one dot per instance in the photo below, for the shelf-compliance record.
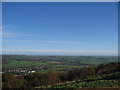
(60, 52)
(40, 41)
(4, 33)
(12, 34)
(59, 42)
(9, 34)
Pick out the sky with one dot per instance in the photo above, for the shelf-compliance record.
(60, 0)
(63, 28)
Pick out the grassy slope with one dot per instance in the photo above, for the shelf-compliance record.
(94, 82)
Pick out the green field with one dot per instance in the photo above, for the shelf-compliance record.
(15, 64)
(51, 66)
(53, 63)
